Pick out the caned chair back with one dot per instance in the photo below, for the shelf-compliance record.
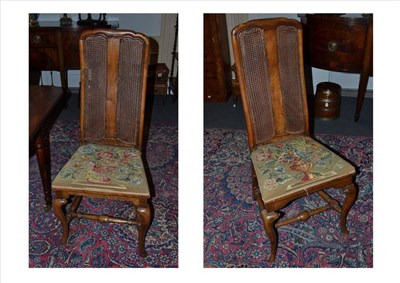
(269, 61)
(114, 67)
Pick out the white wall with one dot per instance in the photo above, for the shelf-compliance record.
(149, 24)
(346, 80)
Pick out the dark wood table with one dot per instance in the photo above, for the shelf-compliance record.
(43, 101)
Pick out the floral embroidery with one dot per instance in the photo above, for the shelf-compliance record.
(94, 178)
(297, 162)
(105, 165)
(270, 184)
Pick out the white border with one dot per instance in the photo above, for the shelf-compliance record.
(14, 142)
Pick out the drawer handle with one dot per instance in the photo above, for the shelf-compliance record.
(37, 39)
(332, 46)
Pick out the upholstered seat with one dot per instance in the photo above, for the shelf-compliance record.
(104, 168)
(296, 164)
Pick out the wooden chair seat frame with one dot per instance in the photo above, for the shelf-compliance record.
(266, 32)
(113, 40)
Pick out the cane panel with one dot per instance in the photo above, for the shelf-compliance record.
(95, 56)
(255, 71)
(288, 60)
(130, 83)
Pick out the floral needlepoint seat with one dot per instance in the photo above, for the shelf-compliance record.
(295, 164)
(101, 167)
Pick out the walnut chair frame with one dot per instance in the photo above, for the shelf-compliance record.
(114, 68)
(269, 61)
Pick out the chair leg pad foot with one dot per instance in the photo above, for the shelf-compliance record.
(64, 240)
(271, 259)
(143, 254)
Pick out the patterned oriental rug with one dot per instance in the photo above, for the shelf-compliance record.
(94, 244)
(233, 231)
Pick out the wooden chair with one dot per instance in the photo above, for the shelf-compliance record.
(109, 165)
(287, 162)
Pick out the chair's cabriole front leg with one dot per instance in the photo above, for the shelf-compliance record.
(269, 219)
(351, 195)
(58, 205)
(143, 216)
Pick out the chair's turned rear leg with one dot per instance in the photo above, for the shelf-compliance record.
(256, 188)
(143, 216)
(58, 205)
(269, 219)
(351, 194)
(73, 208)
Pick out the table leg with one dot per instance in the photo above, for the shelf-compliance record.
(366, 71)
(362, 88)
(42, 149)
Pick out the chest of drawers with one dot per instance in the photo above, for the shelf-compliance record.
(217, 67)
(55, 48)
(342, 44)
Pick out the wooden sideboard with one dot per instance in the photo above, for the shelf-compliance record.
(55, 48)
(340, 43)
(217, 66)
